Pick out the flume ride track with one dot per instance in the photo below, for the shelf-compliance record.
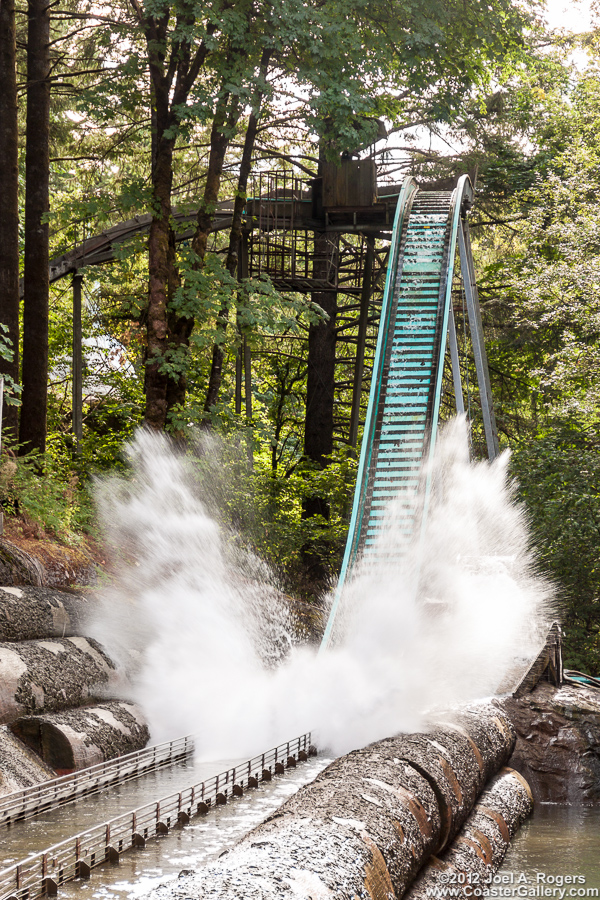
(41, 874)
(415, 328)
(28, 802)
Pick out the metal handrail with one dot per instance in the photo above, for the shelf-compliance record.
(42, 873)
(409, 187)
(27, 802)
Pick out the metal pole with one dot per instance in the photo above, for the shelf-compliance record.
(1, 413)
(476, 329)
(245, 357)
(458, 394)
(242, 272)
(363, 321)
(238, 381)
(77, 371)
(248, 380)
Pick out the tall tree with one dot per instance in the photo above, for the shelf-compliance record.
(32, 430)
(235, 233)
(9, 201)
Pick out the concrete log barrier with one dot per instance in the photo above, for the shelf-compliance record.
(470, 863)
(19, 768)
(52, 675)
(368, 822)
(19, 567)
(82, 737)
(28, 613)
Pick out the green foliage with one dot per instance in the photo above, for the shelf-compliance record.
(47, 492)
(12, 390)
(559, 481)
(334, 68)
(264, 507)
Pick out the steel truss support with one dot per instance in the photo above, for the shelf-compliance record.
(452, 340)
(477, 341)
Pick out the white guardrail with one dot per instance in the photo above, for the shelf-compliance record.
(30, 801)
(42, 873)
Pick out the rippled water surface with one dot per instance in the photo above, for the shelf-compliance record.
(202, 840)
(140, 870)
(23, 838)
(557, 841)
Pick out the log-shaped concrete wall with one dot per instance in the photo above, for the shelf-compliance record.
(19, 767)
(83, 737)
(28, 613)
(52, 675)
(469, 864)
(368, 823)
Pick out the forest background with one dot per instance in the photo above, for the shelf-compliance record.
(177, 110)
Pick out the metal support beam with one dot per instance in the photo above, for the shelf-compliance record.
(1, 413)
(244, 356)
(365, 297)
(238, 381)
(77, 369)
(242, 272)
(477, 341)
(248, 380)
(458, 393)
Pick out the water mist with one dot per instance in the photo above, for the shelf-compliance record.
(203, 625)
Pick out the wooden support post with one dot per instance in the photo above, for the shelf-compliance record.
(49, 887)
(82, 869)
(363, 321)
(77, 367)
(111, 855)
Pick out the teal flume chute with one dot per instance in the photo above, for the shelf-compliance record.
(416, 327)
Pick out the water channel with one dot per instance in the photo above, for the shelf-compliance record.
(556, 842)
(163, 858)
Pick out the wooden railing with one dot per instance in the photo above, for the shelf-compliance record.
(30, 801)
(42, 873)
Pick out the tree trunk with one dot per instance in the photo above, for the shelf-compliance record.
(32, 434)
(9, 202)
(180, 327)
(320, 383)
(216, 370)
(320, 386)
(161, 262)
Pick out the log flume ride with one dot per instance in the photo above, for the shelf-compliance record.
(333, 838)
(416, 327)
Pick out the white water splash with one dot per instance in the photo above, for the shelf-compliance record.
(180, 604)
